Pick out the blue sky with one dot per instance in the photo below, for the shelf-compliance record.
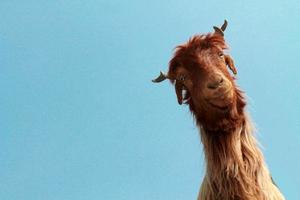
(80, 118)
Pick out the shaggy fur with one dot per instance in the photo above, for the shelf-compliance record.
(235, 169)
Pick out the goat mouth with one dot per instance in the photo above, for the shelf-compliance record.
(221, 100)
(221, 108)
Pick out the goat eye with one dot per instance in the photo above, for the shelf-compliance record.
(221, 55)
(181, 78)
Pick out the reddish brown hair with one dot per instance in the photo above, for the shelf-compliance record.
(235, 169)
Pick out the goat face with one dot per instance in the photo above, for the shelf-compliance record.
(202, 73)
(199, 71)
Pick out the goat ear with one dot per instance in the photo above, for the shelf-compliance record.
(230, 64)
(178, 90)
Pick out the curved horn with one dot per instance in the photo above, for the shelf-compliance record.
(222, 29)
(218, 30)
(160, 78)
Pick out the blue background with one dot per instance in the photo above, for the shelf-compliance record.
(80, 119)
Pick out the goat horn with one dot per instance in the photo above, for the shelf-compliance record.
(222, 29)
(218, 30)
(160, 78)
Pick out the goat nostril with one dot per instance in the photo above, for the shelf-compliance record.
(221, 80)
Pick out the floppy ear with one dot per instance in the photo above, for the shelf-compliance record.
(230, 64)
(178, 88)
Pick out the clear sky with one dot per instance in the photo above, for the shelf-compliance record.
(80, 118)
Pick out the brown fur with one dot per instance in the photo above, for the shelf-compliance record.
(236, 169)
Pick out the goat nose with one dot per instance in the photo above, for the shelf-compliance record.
(215, 83)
